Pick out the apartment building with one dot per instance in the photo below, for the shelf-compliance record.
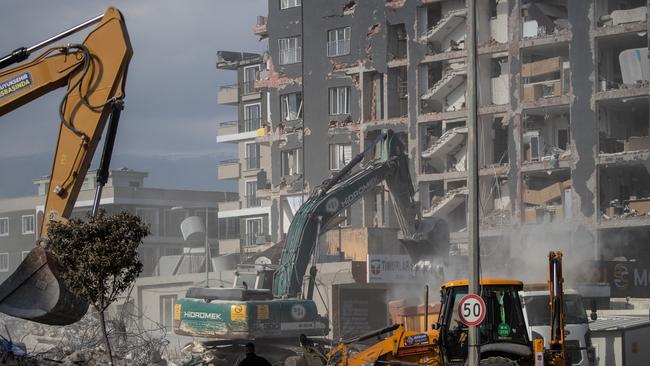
(250, 216)
(162, 209)
(563, 115)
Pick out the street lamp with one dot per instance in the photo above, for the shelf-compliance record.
(193, 225)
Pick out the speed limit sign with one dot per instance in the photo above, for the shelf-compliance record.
(471, 310)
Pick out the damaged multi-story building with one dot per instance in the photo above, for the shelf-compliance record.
(563, 120)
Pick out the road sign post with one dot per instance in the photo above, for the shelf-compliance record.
(471, 310)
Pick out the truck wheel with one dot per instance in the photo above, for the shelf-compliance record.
(498, 361)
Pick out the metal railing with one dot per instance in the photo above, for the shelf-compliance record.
(229, 162)
(290, 56)
(230, 86)
(338, 48)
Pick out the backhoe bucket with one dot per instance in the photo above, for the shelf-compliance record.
(35, 292)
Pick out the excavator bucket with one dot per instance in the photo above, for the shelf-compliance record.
(35, 292)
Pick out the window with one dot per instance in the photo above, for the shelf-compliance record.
(347, 214)
(252, 117)
(167, 310)
(340, 155)
(28, 224)
(339, 100)
(291, 106)
(290, 162)
(150, 217)
(4, 262)
(250, 75)
(338, 42)
(285, 4)
(289, 49)
(251, 191)
(254, 232)
(4, 226)
(252, 156)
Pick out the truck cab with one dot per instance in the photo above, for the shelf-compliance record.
(503, 334)
(535, 305)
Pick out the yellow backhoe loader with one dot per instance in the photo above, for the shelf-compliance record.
(95, 74)
(503, 332)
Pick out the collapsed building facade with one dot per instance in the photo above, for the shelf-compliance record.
(564, 142)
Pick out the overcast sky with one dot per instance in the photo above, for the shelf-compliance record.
(171, 111)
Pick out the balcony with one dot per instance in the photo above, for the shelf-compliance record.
(228, 169)
(228, 94)
(290, 56)
(260, 28)
(233, 131)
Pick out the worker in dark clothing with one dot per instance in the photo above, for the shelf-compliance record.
(252, 359)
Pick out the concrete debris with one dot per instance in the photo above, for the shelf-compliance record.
(276, 80)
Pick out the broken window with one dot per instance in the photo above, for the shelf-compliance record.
(542, 18)
(339, 100)
(545, 72)
(338, 42)
(622, 61)
(285, 4)
(291, 106)
(340, 155)
(442, 86)
(546, 134)
(615, 12)
(290, 162)
(624, 190)
(623, 125)
(547, 196)
(397, 92)
(396, 41)
(289, 50)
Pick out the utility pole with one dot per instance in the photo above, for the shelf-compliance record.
(472, 176)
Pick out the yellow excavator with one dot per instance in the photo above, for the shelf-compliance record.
(94, 73)
(503, 332)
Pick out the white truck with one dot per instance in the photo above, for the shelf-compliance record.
(535, 305)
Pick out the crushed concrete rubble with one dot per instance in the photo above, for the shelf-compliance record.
(632, 208)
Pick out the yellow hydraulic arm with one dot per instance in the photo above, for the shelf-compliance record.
(557, 354)
(94, 73)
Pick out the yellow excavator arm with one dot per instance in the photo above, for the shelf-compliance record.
(94, 73)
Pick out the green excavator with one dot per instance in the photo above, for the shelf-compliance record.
(274, 306)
